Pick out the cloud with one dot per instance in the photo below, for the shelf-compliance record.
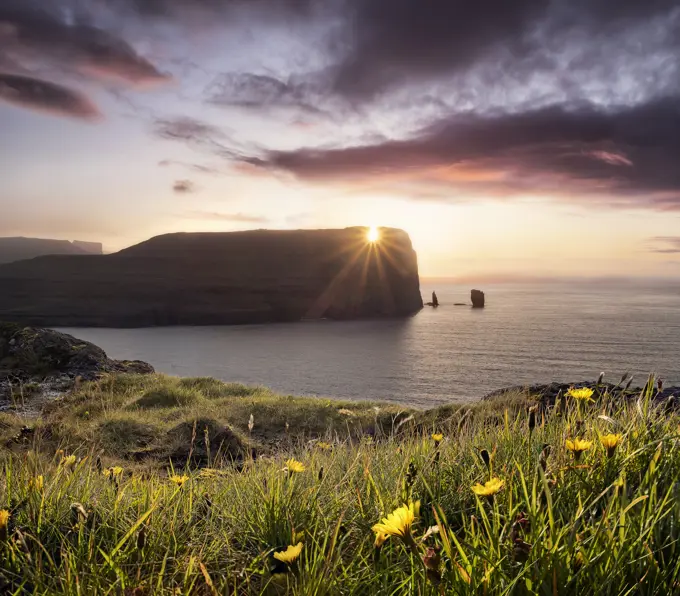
(201, 135)
(255, 91)
(227, 217)
(630, 152)
(194, 167)
(46, 97)
(183, 186)
(665, 244)
(186, 129)
(397, 42)
(30, 33)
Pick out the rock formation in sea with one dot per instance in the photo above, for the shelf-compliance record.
(477, 297)
(219, 278)
(435, 300)
(19, 248)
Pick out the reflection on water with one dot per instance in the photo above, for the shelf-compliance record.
(526, 334)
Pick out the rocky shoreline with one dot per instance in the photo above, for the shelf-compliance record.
(548, 393)
(43, 364)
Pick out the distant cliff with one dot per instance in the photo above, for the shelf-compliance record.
(19, 248)
(219, 278)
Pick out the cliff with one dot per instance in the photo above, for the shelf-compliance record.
(219, 278)
(19, 248)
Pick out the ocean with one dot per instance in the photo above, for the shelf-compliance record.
(528, 333)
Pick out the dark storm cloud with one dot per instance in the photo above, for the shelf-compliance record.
(31, 32)
(170, 8)
(397, 42)
(626, 151)
(47, 97)
(183, 186)
(666, 244)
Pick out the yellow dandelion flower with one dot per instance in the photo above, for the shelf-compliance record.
(4, 522)
(37, 483)
(178, 480)
(610, 442)
(323, 445)
(582, 394)
(380, 539)
(113, 472)
(399, 522)
(578, 446)
(437, 438)
(289, 555)
(68, 461)
(293, 465)
(489, 488)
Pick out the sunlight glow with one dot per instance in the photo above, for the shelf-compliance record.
(373, 234)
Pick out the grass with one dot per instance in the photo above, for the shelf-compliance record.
(606, 523)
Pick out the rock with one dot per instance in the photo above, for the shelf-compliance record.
(477, 297)
(549, 392)
(220, 278)
(52, 361)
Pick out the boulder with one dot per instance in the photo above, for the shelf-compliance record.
(27, 353)
(477, 297)
(256, 276)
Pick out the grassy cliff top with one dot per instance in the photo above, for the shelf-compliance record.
(577, 497)
(153, 419)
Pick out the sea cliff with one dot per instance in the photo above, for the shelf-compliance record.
(219, 279)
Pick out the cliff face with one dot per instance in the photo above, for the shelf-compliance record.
(219, 278)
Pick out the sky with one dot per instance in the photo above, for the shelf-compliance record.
(507, 137)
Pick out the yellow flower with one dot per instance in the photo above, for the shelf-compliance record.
(610, 442)
(289, 555)
(113, 472)
(380, 539)
(399, 522)
(37, 483)
(294, 465)
(4, 522)
(68, 461)
(489, 488)
(578, 446)
(437, 438)
(584, 393)
(178, 480)
(323, 445)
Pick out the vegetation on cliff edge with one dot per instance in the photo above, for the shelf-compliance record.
(579, 497)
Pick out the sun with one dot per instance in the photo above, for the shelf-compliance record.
(373, 234)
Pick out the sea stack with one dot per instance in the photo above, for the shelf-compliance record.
(258, 276)
(477, 297)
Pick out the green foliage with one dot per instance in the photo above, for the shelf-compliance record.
(605, 523)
